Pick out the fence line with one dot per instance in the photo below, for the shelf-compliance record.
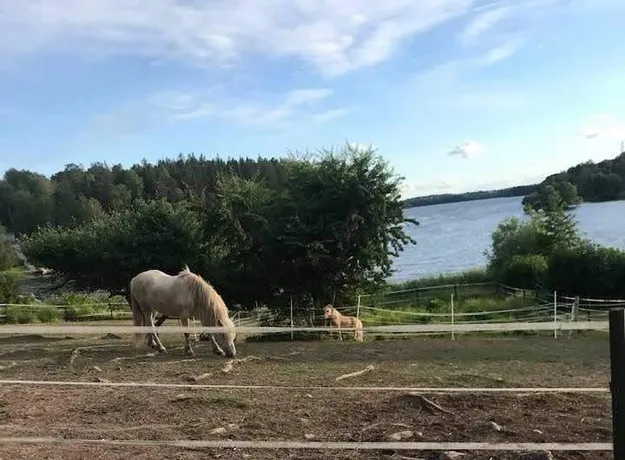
(478, 313)
(319, 445)
(425, 390)
(404, 328)
(45, 305)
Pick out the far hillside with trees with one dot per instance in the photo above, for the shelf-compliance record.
(590, 182)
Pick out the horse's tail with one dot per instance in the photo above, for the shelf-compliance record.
(137, 316)
(358, 334)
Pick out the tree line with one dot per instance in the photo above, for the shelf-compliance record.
(590, 182)
(264, 230)
(519, 190)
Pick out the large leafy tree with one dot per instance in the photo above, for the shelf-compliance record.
(312, 229)
(25, 200)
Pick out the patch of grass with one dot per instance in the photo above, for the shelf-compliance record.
(25, 314)
(48, 315)
(228, 401)
(18, 314)
(478, 275)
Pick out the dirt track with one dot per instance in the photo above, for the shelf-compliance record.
(168, 414)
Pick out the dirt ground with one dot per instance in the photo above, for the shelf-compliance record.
(307, 414)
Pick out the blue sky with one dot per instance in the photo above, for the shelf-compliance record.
(456, 94)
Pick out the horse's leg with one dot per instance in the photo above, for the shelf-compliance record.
(216, 348)
(155, 338)
(160, 320)
(338, 326)
(187, 344)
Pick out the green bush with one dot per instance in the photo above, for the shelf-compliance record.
(9, 286)
(8, 255)
(528, 271)
(75, 312)
(48, 314)
(19, 314)
(590, 271)
(24, 314)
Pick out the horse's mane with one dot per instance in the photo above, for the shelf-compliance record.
(204, 294)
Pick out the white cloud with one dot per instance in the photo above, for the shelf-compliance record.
(604, 126)
(333, 37)
(330, 115)
(285, 111)
(504, 51)
(468, 149)
(411, 189)
(483, 22)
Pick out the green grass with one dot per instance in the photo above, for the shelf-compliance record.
(478, 275)
(435, 310)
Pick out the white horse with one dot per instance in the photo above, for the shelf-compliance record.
(182, 296)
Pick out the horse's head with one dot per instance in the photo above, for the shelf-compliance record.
(226, 339)
(328, 311)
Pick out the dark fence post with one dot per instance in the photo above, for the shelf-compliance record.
(617, 380)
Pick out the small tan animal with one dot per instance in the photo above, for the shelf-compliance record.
(338, 320)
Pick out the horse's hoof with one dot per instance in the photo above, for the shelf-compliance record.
(162, 351)
(190, 353)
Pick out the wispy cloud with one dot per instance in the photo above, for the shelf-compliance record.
(330, 115)
(604, 126)
(504, 51)
(333, 38)
(468, 149)
(275, 113)
(413, 189)
(450, 84)
(483, 22)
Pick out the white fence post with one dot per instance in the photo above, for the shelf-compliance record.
(291, 318)
(574, 312)
(358, 308)
(555, 315)
(453, 332)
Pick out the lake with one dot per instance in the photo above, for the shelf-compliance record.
(452, 237)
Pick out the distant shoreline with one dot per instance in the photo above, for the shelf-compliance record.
(443, 198)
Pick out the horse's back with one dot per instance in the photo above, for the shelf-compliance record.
(150, 281)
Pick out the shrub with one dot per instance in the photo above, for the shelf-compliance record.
(20, 314)
(590, 271)
(9, 286)
(48, 314)
(8, 254)
(528, 271)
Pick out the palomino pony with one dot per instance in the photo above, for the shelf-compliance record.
(338, 320)
(182, 296)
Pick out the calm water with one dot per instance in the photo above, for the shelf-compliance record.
(453, 237)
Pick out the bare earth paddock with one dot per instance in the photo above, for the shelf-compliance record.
(124, 413)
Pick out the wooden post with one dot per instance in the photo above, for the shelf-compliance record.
(291, 318)
(617, 380)
(555, 315)
(453, 335)
(358, 308)
(574, 313)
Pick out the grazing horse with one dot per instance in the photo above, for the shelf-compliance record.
(182, 296)
(338, 320)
